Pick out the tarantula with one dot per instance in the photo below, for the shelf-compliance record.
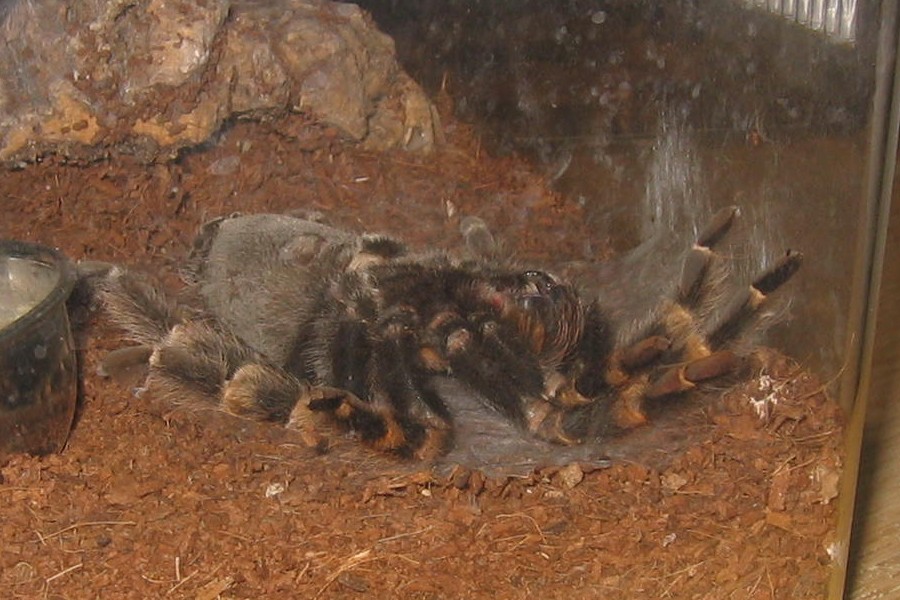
(291, 321)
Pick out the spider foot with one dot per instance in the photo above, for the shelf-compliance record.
(126, 365)
(643, 352)
(560, 391)
(745, 308)
(686, 377)
(546, 421)
(308, 422)
(194, 363)
(262, 393)
(379, 428)
(627, 412)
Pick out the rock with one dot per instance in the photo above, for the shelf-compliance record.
(89, 78)
(673, 481)
(570, 475)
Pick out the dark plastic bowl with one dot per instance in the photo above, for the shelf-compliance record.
(38, 375)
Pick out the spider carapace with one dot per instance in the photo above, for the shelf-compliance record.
(294, 322)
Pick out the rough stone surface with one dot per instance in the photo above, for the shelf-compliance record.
(151, 78)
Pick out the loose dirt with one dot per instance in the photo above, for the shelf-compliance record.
(151, 502)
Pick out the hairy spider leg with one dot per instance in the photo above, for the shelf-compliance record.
(400, 412)
(676, 335)
(418, 332)
(423, 416)
(738, 318)
(139, 306)
(194, 362)
(494, 365)
(746, 304)
(351, 345)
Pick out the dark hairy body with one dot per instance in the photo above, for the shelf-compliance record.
(290, 321)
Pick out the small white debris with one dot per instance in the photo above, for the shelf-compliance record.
(673, 481)
(273, 489)
(560, 34)
(836, 552)
(772, 390)
(828, 479)
(669, 539)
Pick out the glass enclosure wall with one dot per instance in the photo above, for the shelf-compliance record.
(642, 368)
(654, 114)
